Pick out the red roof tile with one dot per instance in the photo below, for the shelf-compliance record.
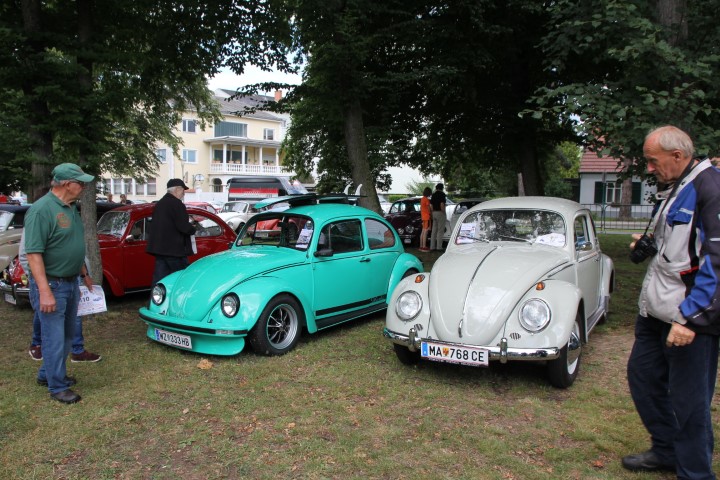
(590, 163)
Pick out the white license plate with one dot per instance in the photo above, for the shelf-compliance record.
(439, 352)
(10, 299)
(174, 339)
(407, 240)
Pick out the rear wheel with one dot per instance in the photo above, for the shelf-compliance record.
(277, 331)
(563, 371)
(405, 355)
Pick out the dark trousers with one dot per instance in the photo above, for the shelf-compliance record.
(164, 266)
(672, 388)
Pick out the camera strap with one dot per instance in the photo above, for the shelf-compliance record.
(685, 173)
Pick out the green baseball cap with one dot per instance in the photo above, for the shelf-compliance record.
(70, 171)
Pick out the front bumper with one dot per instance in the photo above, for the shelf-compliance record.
(503, 353)
(14, 292)
(204, 340)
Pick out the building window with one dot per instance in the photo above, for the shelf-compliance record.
(217, 185)
(231, 129)
(148, 188)
(188, 125)
(613, 192)
(161, 154)
(189, 156)
(268, 134)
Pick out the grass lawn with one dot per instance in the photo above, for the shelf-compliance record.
(340, 406)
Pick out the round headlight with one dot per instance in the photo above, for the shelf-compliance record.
(158, 294)
(401, 230)
(409, 229)
(408, 305)
(534, 315)
(230, 305)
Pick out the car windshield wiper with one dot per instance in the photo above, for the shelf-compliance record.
(475, 239)
(510, 237)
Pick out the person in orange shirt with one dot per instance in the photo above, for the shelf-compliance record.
(425, 216)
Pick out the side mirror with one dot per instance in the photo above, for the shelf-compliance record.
(584, 247)
(324, 252)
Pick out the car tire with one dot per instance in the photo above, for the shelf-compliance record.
(563, 371)
(405, 356)
(279, 327)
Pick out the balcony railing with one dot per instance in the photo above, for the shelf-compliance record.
(235, 168)
(614, 217)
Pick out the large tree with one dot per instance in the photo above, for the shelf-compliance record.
(98, 82)
(622, 67)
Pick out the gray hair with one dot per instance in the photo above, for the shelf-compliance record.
(672, 138)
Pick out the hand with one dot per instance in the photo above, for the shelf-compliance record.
(679, 336)
(88, 282)
(636, 237)
(47, 301)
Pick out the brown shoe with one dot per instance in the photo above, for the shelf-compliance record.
(85, 356)
(35, 352)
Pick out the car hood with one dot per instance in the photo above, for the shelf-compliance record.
(472, 291)
(197, 288)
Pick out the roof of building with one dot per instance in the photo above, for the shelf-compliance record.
(237, 105)
(591, 163)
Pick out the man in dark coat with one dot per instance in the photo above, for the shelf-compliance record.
(171, 233)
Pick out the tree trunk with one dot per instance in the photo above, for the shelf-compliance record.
(85, 81)
(42, 141)
(530, 169)
(357, 154)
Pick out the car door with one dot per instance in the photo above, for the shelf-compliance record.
(382, 254)
(340, 279)
(137, 264)
(588, 258)
(209, 236)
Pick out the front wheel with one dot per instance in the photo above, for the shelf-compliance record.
(563, 371)
(277, 331)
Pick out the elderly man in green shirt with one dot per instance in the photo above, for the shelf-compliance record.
(55, 250)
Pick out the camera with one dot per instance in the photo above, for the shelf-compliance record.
(644, 248)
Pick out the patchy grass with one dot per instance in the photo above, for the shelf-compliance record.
(339, 406)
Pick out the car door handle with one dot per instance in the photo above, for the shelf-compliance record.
(364, 260)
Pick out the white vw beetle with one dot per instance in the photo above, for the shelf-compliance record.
(522, 279)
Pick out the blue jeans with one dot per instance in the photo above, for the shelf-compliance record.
(672, 388)
(58, 328)
(165, 265)
(78, 343)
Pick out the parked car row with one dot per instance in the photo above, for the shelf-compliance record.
(522, 279)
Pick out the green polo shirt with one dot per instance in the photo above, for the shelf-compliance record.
(55, 230)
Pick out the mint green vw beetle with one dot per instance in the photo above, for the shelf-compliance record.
(312, 266)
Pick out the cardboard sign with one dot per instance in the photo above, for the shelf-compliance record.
(91, 302)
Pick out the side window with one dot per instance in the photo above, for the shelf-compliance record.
(139, 230)
(396, 207)
(581, 231)
(379, 235)
(205, 227)
(341, 237)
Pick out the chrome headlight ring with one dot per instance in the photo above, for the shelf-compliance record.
(408, 305)
(230, 305)
(158, 294)
(534, 315)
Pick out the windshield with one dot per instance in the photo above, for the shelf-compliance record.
(239, 207)
(113, 223)
(532, 226)
(291, 231)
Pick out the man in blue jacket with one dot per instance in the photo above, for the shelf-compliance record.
(170, 232)
(673, 364)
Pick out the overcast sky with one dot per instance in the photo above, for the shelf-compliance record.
(230, 81)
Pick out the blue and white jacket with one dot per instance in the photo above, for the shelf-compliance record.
(682, 280)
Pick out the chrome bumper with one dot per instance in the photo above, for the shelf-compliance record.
(501, 352)
(17, 290)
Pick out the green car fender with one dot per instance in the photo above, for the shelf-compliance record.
(403, 264)
(257, 292)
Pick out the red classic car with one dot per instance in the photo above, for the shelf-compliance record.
(123, 234)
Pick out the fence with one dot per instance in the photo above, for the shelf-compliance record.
(617, 217)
